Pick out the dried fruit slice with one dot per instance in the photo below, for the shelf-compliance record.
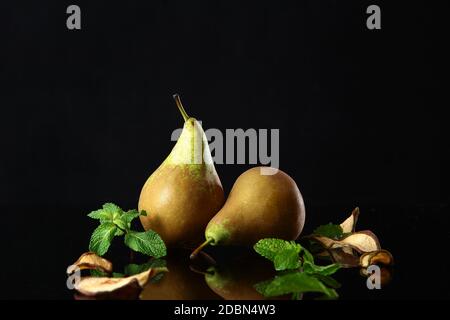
(90, 260)
(95, 286)
(362, 241)
(349, 224)
(383, 257)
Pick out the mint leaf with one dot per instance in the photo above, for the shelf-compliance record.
(287, 259)
(130, 215)
(311, 268)
(296, 282)
(270, 247)
(101, 238)
(120, 223)
(118, 275)
(112, 208)
(262, 286)
(100, 215)
(307, 256)
(98, 273)
(108, 213)
(328, 281)
(333, 231)
(149, 243)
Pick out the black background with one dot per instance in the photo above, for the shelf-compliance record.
(87, 115)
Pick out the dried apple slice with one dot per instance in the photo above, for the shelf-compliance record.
(97, 286)
(362, 241)
(90, 260)
(349, 224)
(383, 257)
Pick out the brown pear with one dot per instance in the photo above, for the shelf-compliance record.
(185, 192)
(263, 203)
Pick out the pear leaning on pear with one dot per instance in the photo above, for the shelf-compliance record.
(263, 203)
(185, 192)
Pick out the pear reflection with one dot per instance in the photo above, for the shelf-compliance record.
(180, 283)
(234, 279)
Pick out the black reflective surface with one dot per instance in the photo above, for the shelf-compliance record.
(37, 269)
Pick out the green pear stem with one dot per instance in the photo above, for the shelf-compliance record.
(199, 248)
(180, 106)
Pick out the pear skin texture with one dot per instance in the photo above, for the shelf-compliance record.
(185, 192)
(259, 206)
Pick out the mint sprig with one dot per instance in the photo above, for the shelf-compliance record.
(115, 222)
(333, 231)
(300, 274)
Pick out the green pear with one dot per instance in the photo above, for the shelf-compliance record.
(185, 192)
(263, 203)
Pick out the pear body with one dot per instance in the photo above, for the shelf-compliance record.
(259, 206)
(185, 192)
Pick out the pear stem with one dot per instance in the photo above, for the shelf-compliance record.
(199, 248)
(176, 96)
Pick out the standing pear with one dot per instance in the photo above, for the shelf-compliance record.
(185, 192)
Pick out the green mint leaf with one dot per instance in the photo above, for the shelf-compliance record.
(262, 286)
(307, 256)
(157, 277)
(112, 208)
(297, 282)
(108, 213)
(121, 224)
(118, 275)
(100, 215)
(132, 268)
(119, 232)
(311, 268)
(149, 243)
(101, 238)
(333, 231)
(130, 215)
(270, 247)
(287, 259)
(328, 281)
(98, 273)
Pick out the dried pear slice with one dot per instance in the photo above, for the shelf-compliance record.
(362, 241)
(94, 286)
(349, 224)
(383, 257)
(90, 260)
